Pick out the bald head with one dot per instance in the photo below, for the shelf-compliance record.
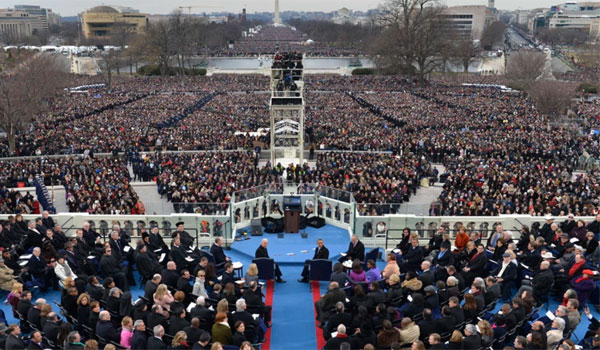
(171, 265)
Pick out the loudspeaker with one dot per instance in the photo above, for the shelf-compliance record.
(316, 222)
(255, 227)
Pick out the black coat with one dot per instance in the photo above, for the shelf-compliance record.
(218, 254)
(34, 346)
(477, 265)
(146, 265)
(205, 315)
(445, 324)
(542, 281)
(14, 343)
(34, 317)
(156, 344)
(177, 324)
(356, 252)
(106, 330)
(183, 285)
(155, 319)
(509, 274)
(414, 257)
(36, 266)
(138, 341)
(170, 277)
(322, 253)
(445, 260)
(261, 252)
(335, 320)
(426, 327)
(51, 331)
(149, 290)
(156, 242)
(457, 313)
(109, 266)
(472, 342)
(23, 307)
(427, 278)
(193, 334)
(178, 255)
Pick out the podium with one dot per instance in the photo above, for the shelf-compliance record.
(292, 207)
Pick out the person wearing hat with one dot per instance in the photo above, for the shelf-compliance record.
(442, 259)
(584, 286)
(147, 265)
(432, 300)
(62, 270)
(186, 240)
(546, 230)
(561, 244)
(7, 279)
(506, 274)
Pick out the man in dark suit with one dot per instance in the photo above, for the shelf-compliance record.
(177, 322)
(426, 325)
(37, 266)
(455, 310)
(147, 266)
(170, 275)
(183, 283)
(442, 259)
(109, 266)
(34, 237)
(476, 265)
(262, 252)
(447, 322)
(321, 252)
(413, 257)
(51, 327)
(506, 274)
(157, 244)
(340, 317)
(155, 317)
(493, 290)
(36, 341)
(193, 331)
(356, 250)
(105, 327)
(217, 252)
(427, 277)
(254, 302)
(227, 275)
(151, 286)
(139, 340)
(24, 304)
(204, 314)
(156, 342)
(89, 235)
(472, 340)
(542, 281)
(187, 241)
(13, 341)
(179, 255)
(242, 315)
(34, 314)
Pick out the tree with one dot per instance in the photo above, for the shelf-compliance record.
(465, 51)
(110, 62)
(551, 98)
(525, 65)
(181, 30)
(413, 36)
(493, 34)
(25, 90)
(159, 44)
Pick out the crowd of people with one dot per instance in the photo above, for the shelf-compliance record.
(443, 295)
(189, 302)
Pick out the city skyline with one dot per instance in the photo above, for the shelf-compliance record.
(70, 8)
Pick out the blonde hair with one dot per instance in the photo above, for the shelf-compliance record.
(485, 328)
(179, 338)
(223, 306)
(17, 288)
(252, 270)
(126, 321)
(91, 345)
(69, 282)
(81, 297)
(109, 347)
(456, 337)
(161, 290)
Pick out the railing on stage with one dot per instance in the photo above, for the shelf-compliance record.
(376, 224)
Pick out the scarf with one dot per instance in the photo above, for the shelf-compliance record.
(67, 269)
(582, 278)
(441, 254)
(576, 267)
(474, 256)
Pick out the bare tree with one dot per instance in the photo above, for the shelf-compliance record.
(110, 62)
(413, 36)
(465, 51)
(159, 44)
(525, 65)
(25, 90)
(493, 34)
(181, 31)
(551, 98)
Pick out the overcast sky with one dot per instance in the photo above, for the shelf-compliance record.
(72, 7)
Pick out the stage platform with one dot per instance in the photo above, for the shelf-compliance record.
(293, 249)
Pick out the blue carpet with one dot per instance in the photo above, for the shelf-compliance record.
(336, 240)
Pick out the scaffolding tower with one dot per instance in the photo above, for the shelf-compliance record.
(287, 110)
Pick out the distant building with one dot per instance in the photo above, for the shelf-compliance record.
(345, 15)
(16, 24)
(583, 16)
(98, 22)
(469, 21)
(45, 16)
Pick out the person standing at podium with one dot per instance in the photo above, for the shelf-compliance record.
(262, 252)
(321, 252)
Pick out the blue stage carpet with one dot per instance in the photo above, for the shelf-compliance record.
(280, 249)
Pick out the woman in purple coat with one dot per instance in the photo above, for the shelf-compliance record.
(357, 274)
(584, 286)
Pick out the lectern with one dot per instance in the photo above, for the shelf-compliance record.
(292, 207)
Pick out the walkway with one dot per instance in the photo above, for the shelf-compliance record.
(148, 193)
(420, 202)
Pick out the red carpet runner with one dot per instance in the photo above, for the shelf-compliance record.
(268, 301)
(316, 291)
